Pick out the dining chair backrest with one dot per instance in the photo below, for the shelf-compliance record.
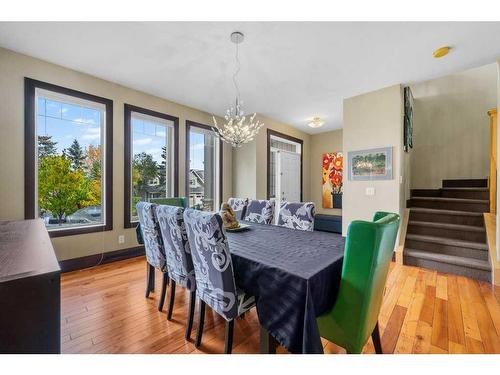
(239, 206)
(176, 245)
(153, 244)
(212, 263)
(368, 252)
(297, 215)
(260, 211)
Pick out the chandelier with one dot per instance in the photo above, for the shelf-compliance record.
(238, 129)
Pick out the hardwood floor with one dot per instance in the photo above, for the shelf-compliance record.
(104, 311)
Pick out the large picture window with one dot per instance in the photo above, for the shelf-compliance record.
(68, 159)
(203, 167)
(151, 158)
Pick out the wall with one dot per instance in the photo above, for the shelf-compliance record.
(373, 120)
(321, 144)
(13, 68)
(254, 184)
(498, 153)
(245, 171)
(451, 127)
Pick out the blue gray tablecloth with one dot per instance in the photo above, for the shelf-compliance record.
(293, 274)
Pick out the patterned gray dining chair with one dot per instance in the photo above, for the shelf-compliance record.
(213, 269)
(239, 206)
(260, 211)
(298, 215)
(153, 245)
(178, 255)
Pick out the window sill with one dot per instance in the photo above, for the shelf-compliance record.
(79, 230)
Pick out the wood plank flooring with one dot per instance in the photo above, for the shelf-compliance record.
(104, 311)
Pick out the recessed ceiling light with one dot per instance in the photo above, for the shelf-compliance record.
(316, 122)
(440, 52)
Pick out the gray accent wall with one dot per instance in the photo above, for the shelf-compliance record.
(451, 127)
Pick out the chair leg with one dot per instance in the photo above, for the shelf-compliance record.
(150, 279)
(376, 340)
(172, 299)
(201, 322)
(163, 292)
(189, 324)
(228, 346)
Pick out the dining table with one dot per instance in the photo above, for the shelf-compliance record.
(294, 276)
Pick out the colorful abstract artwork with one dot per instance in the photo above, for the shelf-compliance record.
(333, 165)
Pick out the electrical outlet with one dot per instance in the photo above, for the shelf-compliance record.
(370, 191)
(121, 239)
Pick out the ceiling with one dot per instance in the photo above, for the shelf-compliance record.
(290, 71)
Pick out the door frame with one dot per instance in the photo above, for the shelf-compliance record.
(275, 133)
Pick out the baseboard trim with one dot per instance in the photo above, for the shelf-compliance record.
(75, 264)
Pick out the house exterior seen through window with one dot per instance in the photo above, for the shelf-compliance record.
(152, 159)
(204, 182)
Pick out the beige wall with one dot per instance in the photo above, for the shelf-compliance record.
(373, 120)
(245, 171)
(498, 153)
(253, 157)
(451, 127)
(13, 68)
(321, 144)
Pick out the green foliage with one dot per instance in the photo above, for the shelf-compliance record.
(46, 146)
(62, 190)
(76, 155)
(162, 169)
(144, 169)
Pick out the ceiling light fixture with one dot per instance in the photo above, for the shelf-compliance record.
(237, 130)
(441, 52)
(316, 123)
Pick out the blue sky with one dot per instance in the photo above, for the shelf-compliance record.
(65, 122)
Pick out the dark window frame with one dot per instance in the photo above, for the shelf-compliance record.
(30, 141)
(128, 109)
(275, 133)
(193, 124)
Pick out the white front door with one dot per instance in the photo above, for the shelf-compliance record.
(288, 176)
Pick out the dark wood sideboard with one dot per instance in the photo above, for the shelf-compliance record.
(30, 291)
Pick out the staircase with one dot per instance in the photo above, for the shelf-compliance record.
(446, 229)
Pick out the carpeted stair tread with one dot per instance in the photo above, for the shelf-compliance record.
(450, 259)
(465, 188)
(445, 212)
(454, 200)
(469, 228)
(475, 182)
(448, 241)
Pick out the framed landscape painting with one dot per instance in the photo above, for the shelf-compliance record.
(374, 164)
(333, 166)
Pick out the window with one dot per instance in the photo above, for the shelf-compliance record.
(276, 143)
(203, 167)
(68, 148)
(151, 158)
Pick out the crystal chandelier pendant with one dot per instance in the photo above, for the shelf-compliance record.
(237, 129)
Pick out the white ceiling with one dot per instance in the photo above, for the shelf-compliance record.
(290, 71)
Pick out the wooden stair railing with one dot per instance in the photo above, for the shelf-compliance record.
(493, 160)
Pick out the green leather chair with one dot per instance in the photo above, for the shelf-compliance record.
(368, 252)
(172, 201)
